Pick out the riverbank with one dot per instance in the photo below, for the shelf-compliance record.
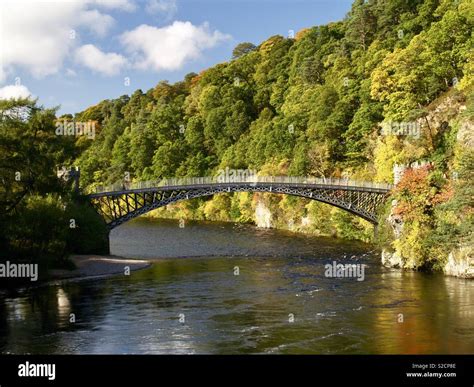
(98, 266)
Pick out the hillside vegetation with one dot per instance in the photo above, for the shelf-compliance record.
(315, 105)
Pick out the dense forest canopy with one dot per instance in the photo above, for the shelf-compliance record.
(310, 105)
(314, 105)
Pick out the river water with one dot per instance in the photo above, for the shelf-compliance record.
(227, 288)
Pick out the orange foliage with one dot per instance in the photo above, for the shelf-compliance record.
(197, 78)
(414, 181)
(301, 33)
(443, 196)
(417, 195)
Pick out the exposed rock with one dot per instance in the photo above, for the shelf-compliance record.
(460, 263)
(392, 259)
(444, 110)
(465, 135)
(263, 216)
(306, 221)
(395, 221)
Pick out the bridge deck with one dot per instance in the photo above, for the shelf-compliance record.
(267, 181)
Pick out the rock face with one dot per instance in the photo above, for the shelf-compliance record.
(395, 221)
(460, 263)
(464, 135)
(306, 221)
(263, 216)
(392, 259)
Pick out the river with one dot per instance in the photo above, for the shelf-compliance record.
(228, 288)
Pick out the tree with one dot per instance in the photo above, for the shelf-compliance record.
(361, 24)
(242, 49)
(30, 152)
(310, 105)
(33, 201)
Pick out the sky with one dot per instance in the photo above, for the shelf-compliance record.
(72, 54)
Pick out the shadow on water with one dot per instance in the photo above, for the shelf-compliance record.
(280, 301)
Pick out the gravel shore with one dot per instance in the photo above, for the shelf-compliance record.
(99, 265)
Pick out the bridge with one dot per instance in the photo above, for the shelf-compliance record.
(124, 201)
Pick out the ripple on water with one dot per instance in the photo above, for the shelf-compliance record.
(282, 275)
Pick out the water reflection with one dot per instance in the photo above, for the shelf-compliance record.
(245, 313)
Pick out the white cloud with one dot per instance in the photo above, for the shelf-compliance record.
(40, 35)
(14, 92)
(124, 5)
(105, 63)
(168, 48)
(97, 22)
(36, 35)
(161, 7)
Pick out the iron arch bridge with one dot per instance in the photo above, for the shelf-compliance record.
(124, 201)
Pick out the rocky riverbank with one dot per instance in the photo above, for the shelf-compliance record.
(459, 263)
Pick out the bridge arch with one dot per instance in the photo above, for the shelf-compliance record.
(121, 203)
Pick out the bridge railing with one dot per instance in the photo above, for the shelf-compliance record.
(196, 181)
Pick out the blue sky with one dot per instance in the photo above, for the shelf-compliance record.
(77, 53)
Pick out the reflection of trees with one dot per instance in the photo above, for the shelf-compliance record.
(4, 329)
(246, 313)
(460, 306)
(435, 308)
(45, 310)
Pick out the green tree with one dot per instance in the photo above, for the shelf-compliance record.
(242, 49)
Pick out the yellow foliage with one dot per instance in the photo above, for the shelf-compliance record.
(410, 245)
(388, 152)
(467, 82)
(243, 201)
(268, 44)
(273, 169)
(218, 208)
